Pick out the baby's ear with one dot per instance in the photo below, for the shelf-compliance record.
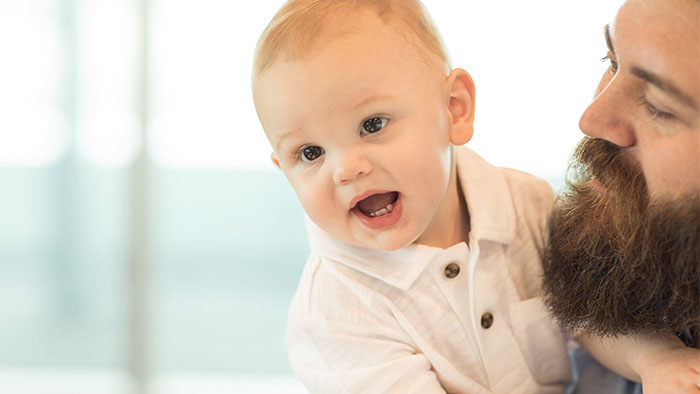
(273, 156)
(460, 88)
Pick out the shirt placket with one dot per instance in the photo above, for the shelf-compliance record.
(450, 270)
(492, 291)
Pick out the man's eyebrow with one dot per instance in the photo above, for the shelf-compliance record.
(664, 85)
(370, 99)
(608, 41)
(654, 79)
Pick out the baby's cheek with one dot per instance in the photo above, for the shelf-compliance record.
(311, 202)
(432, 179)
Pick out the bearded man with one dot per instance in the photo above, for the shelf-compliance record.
(622, 262)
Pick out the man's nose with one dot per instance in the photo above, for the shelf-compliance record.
(350, 165)
(610, 116)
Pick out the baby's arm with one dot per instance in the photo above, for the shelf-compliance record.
(332, 357)
(662, 363)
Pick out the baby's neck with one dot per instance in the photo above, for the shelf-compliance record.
(451, 223)
(460, 225)
(464, 222)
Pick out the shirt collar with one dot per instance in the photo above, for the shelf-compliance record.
(492, 217)
(489, 201)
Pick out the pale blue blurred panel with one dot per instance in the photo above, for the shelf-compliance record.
(230, 249)
(230, 246)
(61, 266)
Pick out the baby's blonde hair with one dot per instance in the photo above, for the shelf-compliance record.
(299, 25)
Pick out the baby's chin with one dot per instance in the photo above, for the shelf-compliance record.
(384, 240)
(381, 243)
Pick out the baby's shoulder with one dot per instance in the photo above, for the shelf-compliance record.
(330, 290)
(533, 200)
(532, 197)
(526, 188)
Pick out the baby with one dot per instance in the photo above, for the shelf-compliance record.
(424, 273)
(424, 265)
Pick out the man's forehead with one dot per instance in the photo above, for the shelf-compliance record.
(658, 47)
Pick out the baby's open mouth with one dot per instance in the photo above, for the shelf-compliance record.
(378, 204)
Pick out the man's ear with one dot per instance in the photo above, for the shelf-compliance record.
(460, 87)
(273, 156)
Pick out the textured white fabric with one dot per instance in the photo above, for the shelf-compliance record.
(367, 321)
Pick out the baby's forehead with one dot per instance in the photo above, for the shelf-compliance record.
(376, 54)
(369, 46)
(338, 34)
(300, 30)
(342, 82)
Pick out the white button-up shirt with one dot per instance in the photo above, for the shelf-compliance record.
(368, 321)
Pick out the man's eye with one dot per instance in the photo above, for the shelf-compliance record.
(374, 124)
(613, 63)
(654, 112)
(311, 153)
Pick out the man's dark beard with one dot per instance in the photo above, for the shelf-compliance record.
(616, 263)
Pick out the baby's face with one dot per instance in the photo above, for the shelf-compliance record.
(361, 129)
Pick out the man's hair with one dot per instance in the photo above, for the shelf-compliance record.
(299, 27)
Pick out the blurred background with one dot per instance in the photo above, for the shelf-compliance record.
(147, 244)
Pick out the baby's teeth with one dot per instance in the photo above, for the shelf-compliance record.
(383, 211)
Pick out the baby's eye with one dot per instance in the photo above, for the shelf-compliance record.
(373, 124)
(311, 153)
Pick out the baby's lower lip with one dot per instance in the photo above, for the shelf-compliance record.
(383, 221)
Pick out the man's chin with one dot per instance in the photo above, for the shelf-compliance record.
(616, 263)
(611, 275)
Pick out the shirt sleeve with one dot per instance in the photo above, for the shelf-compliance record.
(336, 357)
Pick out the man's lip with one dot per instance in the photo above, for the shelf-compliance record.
(366, 194)
(598, 185)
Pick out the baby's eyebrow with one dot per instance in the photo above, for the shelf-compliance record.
(285, 136)
(373, 98)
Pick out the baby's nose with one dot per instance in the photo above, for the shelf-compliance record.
(350, 166)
